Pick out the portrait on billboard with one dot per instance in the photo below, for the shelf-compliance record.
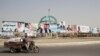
(19, 27)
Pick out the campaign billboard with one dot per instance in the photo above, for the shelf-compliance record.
(20, 27)
(12, 26)
(30, 29)
(8, 26)
(72, 28)
(95, 30)
(53, 27)
(83, 29)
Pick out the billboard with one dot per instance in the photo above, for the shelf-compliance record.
(95, 30)
(20, 27)
(72, 28)
(83, 29)
(16, 26)
(8, 26)
(30, 29)
(12, 26)
(53, 27)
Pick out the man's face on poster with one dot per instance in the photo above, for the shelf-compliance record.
(19, 25)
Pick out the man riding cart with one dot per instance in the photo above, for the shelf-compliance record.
(21, 44)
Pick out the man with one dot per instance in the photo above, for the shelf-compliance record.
(26, 41)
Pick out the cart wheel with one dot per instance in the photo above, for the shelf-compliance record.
(36, 49)
(12, 50)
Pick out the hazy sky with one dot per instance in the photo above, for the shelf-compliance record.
(80, 12)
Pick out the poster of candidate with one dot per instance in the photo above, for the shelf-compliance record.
(20, 27)
(9, 26)
(12, 26)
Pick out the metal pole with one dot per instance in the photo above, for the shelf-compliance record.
(49, 15)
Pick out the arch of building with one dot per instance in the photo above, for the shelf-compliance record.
(48, 20)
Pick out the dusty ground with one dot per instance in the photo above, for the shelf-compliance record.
(59, 40)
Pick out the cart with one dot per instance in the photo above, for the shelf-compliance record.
(19, 46)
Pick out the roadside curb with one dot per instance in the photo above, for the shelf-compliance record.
(68, 44)
(65, 44)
